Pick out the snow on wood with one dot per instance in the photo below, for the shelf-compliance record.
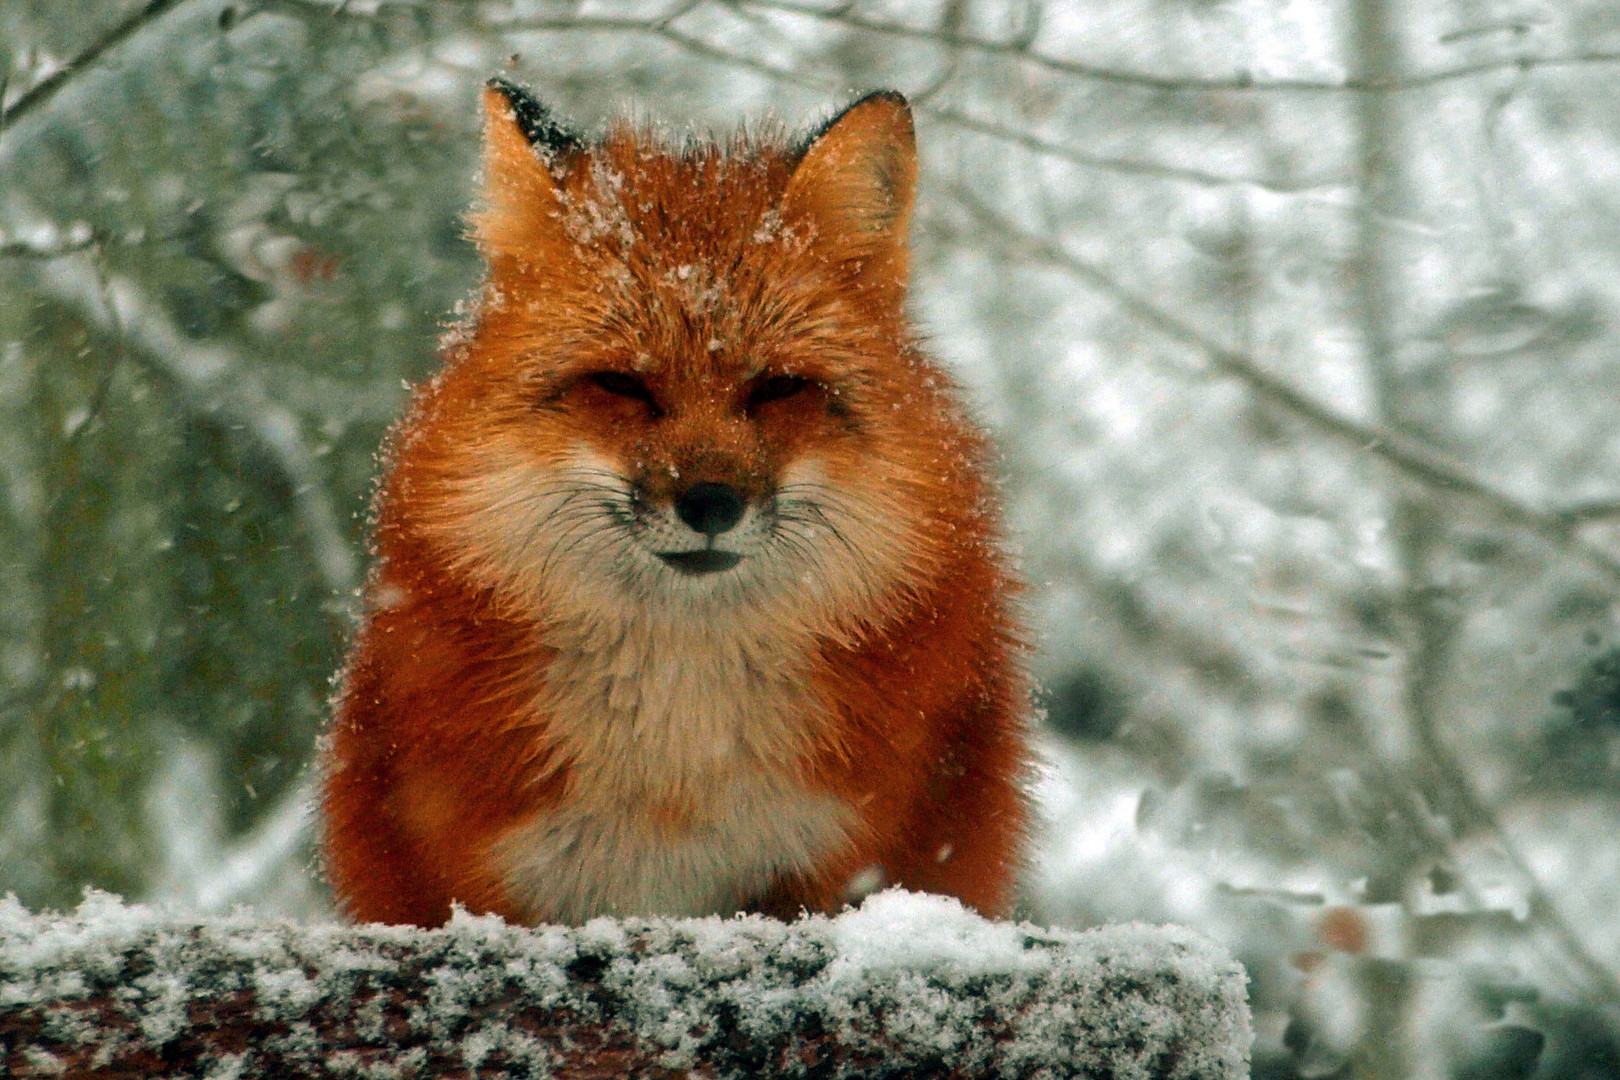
(905, 986)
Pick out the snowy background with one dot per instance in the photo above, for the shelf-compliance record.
(1296, 322)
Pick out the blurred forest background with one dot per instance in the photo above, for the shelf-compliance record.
(1297, 321)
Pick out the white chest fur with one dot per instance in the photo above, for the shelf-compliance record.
(683, 795)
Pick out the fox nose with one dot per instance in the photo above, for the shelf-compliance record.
(710, 508)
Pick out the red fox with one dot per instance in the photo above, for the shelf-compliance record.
(688, 595)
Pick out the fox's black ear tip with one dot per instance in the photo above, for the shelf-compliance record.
(893, 97)
(539, 126)
(508, 89)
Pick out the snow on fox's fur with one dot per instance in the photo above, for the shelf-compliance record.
(688, 596)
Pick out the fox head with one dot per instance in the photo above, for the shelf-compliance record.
(689, 387)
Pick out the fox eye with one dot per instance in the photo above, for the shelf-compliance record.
(777, 387)
(623, 385)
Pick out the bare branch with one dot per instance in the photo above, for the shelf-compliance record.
(109, 366)
(18, 249)
(1019, 48)
(1588, 512)
(48, 87)
(339, 9)
(1486, 67)
(213, 383)
(663, 27)
(1128, 166)
(1544, 910)
(216, 877)
(1411, 456)
(699, 47)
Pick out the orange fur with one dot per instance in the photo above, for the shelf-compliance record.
(686, 359)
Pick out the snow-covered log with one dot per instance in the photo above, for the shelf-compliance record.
(905, 986)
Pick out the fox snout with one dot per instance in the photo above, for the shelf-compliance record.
(710, 513)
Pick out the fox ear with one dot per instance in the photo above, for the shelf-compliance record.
(854, 184)
(521, 213)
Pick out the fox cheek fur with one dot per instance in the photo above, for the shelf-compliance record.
(689, 596)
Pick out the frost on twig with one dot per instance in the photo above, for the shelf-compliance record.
(908, 985)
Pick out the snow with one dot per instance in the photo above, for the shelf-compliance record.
(906, 981)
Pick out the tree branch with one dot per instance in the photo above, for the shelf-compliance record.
(663, 27)
(1597, 510)
(48, 87)
(1411, 457)
(907, 986)
(1126, 166)
(1019, 48)
(1129, 166)
(212, 382)
(1416, 459)
(18, 249)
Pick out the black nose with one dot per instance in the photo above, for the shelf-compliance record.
(711, 509)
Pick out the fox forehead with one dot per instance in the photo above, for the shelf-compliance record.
(688, 327)
(684, 204)
(684, 266)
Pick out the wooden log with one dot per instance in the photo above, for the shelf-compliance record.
(906, 986)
